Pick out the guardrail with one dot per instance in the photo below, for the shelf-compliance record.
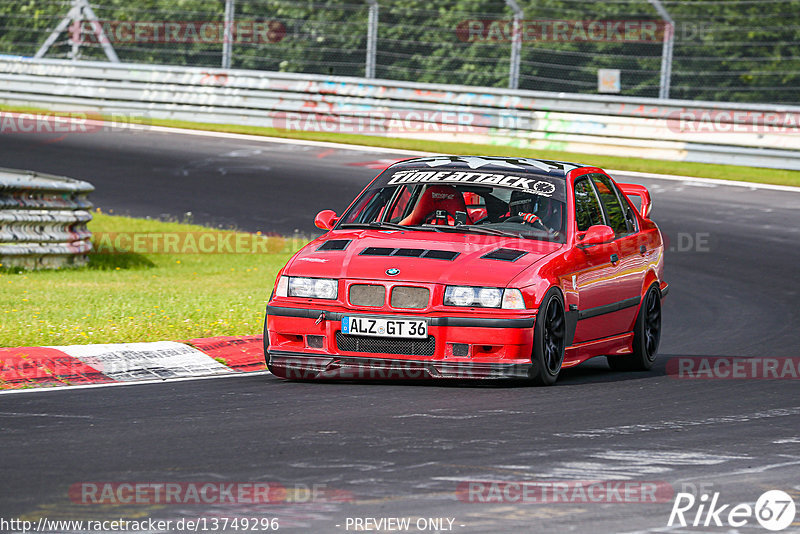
(43, 220)
(708, 132)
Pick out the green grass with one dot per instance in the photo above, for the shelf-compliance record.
(704, 170)
(128, 297)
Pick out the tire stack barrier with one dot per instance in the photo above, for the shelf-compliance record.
(43, 220)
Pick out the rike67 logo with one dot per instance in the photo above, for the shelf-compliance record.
(774, 510)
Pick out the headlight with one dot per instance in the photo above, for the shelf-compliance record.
(512, 299)
(325, 288)
(484, 297)
(283, 287)
(490, 297)
(459, 296)
(312, 288)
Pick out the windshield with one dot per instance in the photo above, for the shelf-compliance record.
(525, 205)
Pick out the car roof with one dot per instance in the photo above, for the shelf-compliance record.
(555, 169)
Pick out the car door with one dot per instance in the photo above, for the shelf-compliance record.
(631, 265)
(594, 279)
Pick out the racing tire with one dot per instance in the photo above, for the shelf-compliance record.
(549, 340)
(646, 335)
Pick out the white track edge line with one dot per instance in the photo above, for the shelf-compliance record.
(366, 148)
(713, 181)
(283, 140)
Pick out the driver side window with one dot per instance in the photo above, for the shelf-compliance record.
(587, 206)
(615, 212)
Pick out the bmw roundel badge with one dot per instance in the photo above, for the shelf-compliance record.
(393, 271)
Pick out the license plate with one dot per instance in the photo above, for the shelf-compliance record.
(368, 326)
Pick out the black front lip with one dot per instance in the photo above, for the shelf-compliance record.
(476, 322)
(300, 366)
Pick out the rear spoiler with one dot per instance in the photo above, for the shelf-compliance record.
(641, 192)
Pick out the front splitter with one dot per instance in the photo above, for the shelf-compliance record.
(300, 366)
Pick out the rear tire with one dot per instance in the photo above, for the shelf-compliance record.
(646, 335)
(549, 339)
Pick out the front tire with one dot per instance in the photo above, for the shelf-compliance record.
(646, 335)
(549, 339)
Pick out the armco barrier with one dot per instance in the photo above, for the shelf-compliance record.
(43, 220)
(711, 132)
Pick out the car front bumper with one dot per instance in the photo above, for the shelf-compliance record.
(308, 344)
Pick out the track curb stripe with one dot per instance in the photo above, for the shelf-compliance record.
(25, 367)
(72, 365)
(244, 354)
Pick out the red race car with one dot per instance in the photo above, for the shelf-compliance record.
(473, 267)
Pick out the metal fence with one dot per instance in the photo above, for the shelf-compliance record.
(732, 50)
(740, 134)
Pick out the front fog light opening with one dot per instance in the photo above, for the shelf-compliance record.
(315, 342)
(460, 350)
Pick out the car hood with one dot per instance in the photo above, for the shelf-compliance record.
(470, 266)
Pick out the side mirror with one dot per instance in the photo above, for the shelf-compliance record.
(596, 235)
(326, 219)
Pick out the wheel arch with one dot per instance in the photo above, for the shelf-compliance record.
(570, 315)
(650, 278)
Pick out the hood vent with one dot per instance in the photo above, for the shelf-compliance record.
(334, 244)
(446, 255)
(504, 254)
(441, 255)
(377, 251)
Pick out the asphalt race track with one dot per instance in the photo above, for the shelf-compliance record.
(249, 185)
(401, 450)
